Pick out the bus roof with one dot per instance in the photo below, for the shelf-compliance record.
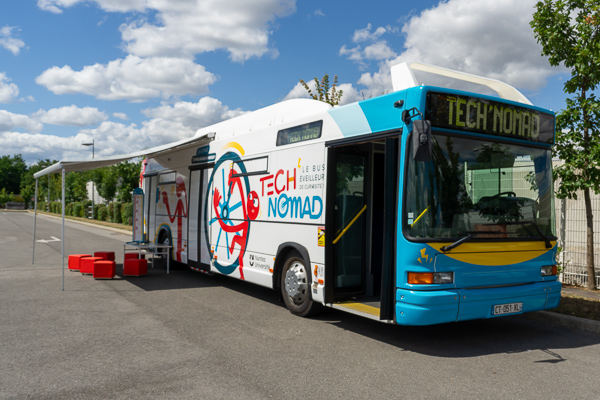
(413, 74)
(276, 114)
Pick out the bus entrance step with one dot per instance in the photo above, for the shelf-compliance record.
(370, 310)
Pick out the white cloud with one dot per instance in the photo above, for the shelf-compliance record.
(133, 78)
(299, 92)
(10, 121)
(364, 35)
(71, 116)
(319, 13)
(56, 6)
(491, 38)
(206, 111)
(8, 91)
(9, 42)
(121, 116)
(36, 146)
(165, 124)
(184, 29)
(379, 51)
(354, 54)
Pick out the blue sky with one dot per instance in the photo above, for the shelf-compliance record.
(133, 74)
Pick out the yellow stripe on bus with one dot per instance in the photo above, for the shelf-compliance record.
(234, 145)
(508, 253)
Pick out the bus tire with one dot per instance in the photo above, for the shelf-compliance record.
(295, 287)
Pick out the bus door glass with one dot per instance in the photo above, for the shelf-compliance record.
(198, 252)
(349, 223)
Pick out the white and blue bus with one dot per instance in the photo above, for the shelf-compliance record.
(427, 205)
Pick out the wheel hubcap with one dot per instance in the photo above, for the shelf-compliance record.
(296, 282)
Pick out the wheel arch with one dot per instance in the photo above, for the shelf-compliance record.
(164, 229)
(283, 251)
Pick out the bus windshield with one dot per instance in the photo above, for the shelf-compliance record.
(482, 188)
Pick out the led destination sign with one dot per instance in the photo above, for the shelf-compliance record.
(299, 133)
(490, 117)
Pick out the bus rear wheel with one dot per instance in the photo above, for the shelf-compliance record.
(295, 287)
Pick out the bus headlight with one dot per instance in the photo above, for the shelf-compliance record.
(443, 277)
(427, 278)
(549, 270)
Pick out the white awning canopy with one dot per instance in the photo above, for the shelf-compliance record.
(160, 153)
(174, 155)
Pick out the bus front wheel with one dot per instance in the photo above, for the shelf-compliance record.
(295, 287)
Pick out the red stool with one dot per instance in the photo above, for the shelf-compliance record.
(132, 256)
(106, 255)
(135, 267)
(104, 269)
(87, 265)
(74, 261)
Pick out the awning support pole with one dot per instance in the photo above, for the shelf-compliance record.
(63, 229)
(34, 221)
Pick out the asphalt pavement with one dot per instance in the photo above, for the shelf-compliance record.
(189, 336)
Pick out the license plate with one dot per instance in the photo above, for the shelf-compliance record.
(501, 309)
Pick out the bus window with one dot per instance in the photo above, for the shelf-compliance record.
(499, 190)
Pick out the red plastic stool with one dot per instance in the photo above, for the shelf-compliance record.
(131, 256)
(87, 265)
(106, 255)
(135, 267)
(75, 260)
(104, 269)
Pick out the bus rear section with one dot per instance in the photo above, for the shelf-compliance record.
(478, 227)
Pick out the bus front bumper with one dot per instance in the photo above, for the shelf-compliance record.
(422, 307)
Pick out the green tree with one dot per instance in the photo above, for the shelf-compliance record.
(330, 95)
(569, 32)
(128, 173)
(11, 169)
(75, 186)
(28, 182)
(106, 180)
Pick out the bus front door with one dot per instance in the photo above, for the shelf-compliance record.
(349, 195)
(362, 202)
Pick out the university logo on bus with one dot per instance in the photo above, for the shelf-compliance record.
(233, 206)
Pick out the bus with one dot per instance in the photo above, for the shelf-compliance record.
(427, 205)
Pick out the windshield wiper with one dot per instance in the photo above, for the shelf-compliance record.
(466, 239)
(537, 228)
(473, 234)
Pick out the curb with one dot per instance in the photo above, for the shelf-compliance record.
(565, 321)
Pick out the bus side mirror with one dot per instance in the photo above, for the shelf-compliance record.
(421, 140)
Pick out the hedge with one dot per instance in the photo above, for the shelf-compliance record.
(121, 213)
(78, 209)
(111, 212)
(102, 212)
(127, 213)
(117, 213)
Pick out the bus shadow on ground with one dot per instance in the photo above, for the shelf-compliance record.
(506, 335)
(182, 277)
(466, 339)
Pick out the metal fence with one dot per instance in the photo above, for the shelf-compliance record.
(572, 238)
